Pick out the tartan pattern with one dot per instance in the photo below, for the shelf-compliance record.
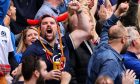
(4, 69)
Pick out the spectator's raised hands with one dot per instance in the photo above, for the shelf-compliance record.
(122, 9)
(90, 3)
(74, 5)
(105, 12)
(17, 70)
(109, 11)
(102, 13)
(128, 77)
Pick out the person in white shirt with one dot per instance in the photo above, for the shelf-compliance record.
(6, 47)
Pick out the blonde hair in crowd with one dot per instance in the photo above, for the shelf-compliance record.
(22, 46)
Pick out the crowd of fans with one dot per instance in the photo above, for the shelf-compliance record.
(69, 42)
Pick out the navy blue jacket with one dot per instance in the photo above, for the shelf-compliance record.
(38, 50)
(132, 62)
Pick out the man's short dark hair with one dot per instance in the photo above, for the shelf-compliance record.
(46, 15)
(29, 65)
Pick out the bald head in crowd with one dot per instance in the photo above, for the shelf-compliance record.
(119, 38)
(117, 31)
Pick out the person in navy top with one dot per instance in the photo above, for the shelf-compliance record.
(131, 58)
(52, 49)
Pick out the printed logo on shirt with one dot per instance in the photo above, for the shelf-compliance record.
(3, 33)
(59, 46)
(56, 58)
(3, 37)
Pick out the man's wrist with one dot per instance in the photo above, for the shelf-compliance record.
(117, 13)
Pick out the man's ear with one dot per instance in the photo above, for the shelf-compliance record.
(58, 26)
(36, 73)
(123, 39)
(134, 43)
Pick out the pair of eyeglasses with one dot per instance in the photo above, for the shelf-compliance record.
(118, 37)
(127, 36)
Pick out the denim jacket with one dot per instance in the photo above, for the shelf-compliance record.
(105, 60)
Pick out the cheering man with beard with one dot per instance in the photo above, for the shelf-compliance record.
(52, 49)
(106, 59)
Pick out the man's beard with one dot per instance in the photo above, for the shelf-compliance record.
(40, 80)
(50, 40)
(125, 47)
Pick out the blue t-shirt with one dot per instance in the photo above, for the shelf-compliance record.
(132, 62)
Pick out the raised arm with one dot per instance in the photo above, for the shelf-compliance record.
(123, 7)
(107, 2)
(84, 24)
(94, 8)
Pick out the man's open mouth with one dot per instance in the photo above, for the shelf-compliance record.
(49, 30)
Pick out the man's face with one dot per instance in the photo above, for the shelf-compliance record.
(126, 45)
(49, 29)
(43, 73)
(127, 42)
(137, 42)
(13, 12)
